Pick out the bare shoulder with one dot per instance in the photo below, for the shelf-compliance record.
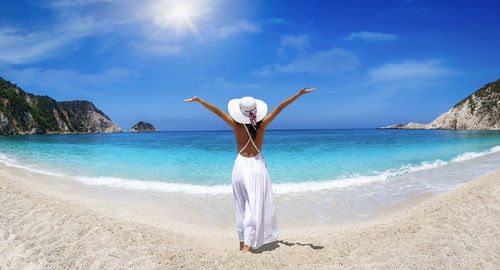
(261, 130)
(239, 129)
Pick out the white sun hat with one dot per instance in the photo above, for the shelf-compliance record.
(240, 108)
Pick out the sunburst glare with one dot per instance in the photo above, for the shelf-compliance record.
(177, 14)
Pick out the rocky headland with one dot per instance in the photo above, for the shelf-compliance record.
(478, 111)
(24, 113)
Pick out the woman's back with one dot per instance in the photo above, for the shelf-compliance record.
(248, 150)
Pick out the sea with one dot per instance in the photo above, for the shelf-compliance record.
(382, 165)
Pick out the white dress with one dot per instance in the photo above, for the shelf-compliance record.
(253, 196)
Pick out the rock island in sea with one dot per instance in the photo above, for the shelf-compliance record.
(143, 127)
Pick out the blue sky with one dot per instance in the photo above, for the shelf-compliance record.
(374, 62)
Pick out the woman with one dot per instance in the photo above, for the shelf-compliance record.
(253, 196)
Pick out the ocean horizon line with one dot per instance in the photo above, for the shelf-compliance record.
(315, 129)
(229, 130)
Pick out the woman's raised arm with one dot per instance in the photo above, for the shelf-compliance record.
(228, 119)
(270, 117)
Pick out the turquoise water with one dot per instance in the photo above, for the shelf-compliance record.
(205, 158)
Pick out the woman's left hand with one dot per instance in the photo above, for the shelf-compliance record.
(305, 91)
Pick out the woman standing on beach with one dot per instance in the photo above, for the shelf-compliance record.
(253, 195)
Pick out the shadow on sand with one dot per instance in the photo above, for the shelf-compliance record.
(276, 244)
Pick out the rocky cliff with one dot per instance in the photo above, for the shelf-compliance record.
(480, 111)
(143, 127)
(25, 113)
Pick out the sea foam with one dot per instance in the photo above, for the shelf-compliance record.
(280, 188)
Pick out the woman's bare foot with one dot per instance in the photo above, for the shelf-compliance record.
(246, 248)
(242, 244)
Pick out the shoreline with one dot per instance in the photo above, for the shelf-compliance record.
(50, 224)
(131, 183)
(344, 205)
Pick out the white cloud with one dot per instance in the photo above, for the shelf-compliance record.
(371, 36)
(275, 21)
(74, 21)
(336, 60)
(408, 71)
(73, 3)
(222, 83)
(20, 46)
(67, 79)
(235, 28)
(297, 42)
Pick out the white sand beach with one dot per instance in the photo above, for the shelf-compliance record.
(45, 224)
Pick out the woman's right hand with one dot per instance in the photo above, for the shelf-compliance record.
(193, 99)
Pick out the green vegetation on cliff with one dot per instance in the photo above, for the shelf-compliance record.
(25, 113)
(484, 93)
(30, 113)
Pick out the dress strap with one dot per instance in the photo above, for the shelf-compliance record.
(249, 140)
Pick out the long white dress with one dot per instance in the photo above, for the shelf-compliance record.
(253, 196)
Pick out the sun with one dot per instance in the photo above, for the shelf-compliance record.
(178, 14)
(182, 12)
